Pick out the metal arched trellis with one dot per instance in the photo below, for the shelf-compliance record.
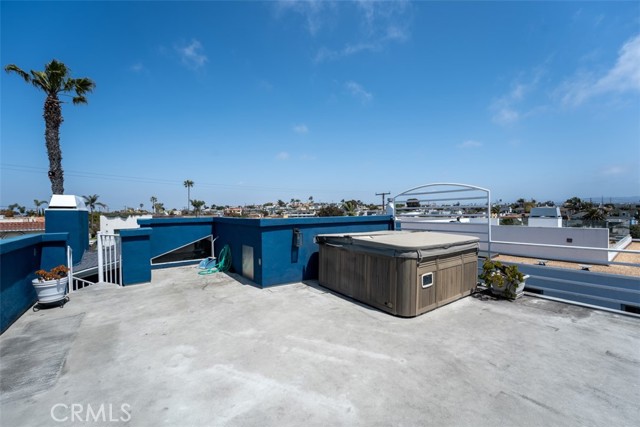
(444, 200)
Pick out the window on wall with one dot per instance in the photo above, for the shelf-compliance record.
(427, 280)
(197, 250)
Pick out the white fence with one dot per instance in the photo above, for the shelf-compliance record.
(588, 245)
(109, 259)
(75, 283)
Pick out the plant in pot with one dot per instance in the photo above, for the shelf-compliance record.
(506, 281)
(51, 286)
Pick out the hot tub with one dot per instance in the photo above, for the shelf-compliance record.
(402, 273)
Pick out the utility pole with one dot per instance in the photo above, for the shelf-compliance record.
(382, 194)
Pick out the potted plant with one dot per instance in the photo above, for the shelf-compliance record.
(51, 286)
(506, 281)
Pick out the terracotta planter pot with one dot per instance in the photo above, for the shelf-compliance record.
(49, 291)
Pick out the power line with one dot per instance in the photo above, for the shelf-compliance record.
(163, 181)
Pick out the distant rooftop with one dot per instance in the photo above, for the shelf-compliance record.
(22, 224)
(213, 350)
(545, 212)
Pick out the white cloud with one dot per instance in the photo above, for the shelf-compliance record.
(613, 170)
(623, 77)
(283, 155)
(359, 92)
(325, 54)
(380, 24)
(384, 19)
(396, 34)
(137, 67)
(312, 11)
(505, 116)
(470, 143)
(301, 128)
(192, 54)
(505, 108)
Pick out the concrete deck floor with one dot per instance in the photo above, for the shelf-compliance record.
(191, 350)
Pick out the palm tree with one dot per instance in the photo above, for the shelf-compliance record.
(595, 214)
(55, 79)
(349, 207)
(188, 183)
(153, 201)
(197, 206)
(91, 202)
(39, 203)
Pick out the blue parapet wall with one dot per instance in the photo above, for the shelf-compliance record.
(20, 257)
(277, 259)
(72, 221)
(172, 233)
(136, 250)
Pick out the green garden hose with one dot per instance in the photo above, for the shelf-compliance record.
(223, 265)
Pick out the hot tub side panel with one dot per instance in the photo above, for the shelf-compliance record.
(454, 277)
(380, 282)
(365, 277)
(406, 279)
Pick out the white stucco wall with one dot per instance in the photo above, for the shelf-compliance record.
(545, 222)
(111, 225)
(585, 237)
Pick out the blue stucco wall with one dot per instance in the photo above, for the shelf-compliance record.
(20, 257)
(136, 255)
(74, 222)
(54, 250)
(275, 258)
(282, 262)
(172, 233)
(237, 232)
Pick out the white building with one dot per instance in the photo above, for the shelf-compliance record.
(545, 217)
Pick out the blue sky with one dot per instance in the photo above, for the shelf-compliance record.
(259, 101)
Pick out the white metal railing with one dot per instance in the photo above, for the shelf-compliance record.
(575, 254)
(109, 259)
(441, 200)
(74, 283)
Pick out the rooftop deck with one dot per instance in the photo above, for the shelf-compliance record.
(625, 270)
(195, 350)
